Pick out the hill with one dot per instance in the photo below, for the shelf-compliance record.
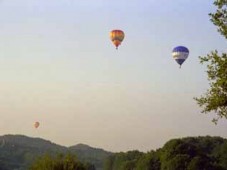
(94, 156)
(18, 152)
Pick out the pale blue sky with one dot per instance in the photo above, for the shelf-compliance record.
(58, 66)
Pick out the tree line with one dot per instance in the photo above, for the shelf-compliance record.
(191, 153)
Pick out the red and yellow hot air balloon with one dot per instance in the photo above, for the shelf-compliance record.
(117, 36)
(36, 124)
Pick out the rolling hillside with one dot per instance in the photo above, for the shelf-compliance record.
(18, 152)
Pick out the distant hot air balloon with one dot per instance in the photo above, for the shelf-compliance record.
(180, 54)
(117, 36)
(36, 124)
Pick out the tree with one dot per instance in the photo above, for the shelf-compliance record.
(60, 162)
(109, 162)
(215, 99)
(123, 161)
(149, 161)
(202, 163)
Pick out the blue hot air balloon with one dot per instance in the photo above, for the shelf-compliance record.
(180, 54)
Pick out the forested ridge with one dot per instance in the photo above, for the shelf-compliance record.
(190, 153)
(20, 152)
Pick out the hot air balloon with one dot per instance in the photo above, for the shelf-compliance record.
(117, 36)
(36, 124)
(180, 54)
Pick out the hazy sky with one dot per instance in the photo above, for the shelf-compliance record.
(59, 67)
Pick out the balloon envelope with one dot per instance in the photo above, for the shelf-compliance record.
(117, 36)
(36, 124)
(180, 54)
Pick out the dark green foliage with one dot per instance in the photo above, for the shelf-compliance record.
(123, 161)
(221, 153)
(192, 153)
(149, 161)
(179, 162)
(59, 162)
(219, 18)
(202, 163)
(89, 154)
(18, 152)
(108, 164)
(89, 166)
(215, 99)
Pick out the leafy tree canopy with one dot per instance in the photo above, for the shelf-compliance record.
(215, 99)
(59, 162)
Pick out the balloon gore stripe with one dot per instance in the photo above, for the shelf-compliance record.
(180, 54)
